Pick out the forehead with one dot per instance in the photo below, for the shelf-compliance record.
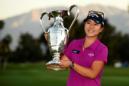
(91, 21)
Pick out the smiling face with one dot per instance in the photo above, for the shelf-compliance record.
(92, 29)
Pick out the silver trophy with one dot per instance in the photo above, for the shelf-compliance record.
(57, 34)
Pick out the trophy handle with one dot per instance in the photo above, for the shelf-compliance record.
(76, 15)
(41, 22)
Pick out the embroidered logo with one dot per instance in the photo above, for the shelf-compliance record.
(76, 51)
(91, 54)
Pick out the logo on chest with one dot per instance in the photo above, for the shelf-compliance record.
(76, 51)
(91, 54)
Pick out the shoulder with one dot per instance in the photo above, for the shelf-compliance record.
(101, 52)
(76, 41)
(102, 47)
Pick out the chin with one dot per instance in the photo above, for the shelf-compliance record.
(91, 35)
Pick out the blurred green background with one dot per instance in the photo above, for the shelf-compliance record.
(35, 74)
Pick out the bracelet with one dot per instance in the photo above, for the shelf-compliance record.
(72, 65)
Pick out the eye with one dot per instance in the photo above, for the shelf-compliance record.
(88, 22)
(95, 24)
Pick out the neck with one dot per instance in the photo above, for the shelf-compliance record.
(89, 41)
(91, 38)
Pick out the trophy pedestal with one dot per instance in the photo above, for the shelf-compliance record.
(54, 63)
(55, 67)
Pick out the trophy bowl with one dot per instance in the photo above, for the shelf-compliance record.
(56, 42)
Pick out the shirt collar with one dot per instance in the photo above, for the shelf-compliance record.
(93, 45)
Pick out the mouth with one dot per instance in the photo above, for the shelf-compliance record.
(91, 31)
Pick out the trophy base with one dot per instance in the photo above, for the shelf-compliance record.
(54, 66)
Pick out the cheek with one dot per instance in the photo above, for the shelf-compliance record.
(98, 31)
(85, 28)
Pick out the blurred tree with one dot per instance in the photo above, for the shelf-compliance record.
(123, 50)
(28, 49)
(1, 24)
(1, 27)
(114, 47)
(5, 51)
(45, 49)
(116, 42)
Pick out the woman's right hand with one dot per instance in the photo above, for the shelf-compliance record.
(65, 62)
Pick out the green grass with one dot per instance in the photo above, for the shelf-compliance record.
(115, 77)
(37, 75)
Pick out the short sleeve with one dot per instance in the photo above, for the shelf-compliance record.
(102, 54)
(67, 49)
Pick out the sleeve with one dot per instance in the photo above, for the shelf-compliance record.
(102, 54)
(67, 49)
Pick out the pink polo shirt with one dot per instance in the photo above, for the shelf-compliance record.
(97, 51)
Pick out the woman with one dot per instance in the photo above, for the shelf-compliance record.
(86, 57)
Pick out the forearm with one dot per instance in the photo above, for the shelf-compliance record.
(86, 72)
(91, 72)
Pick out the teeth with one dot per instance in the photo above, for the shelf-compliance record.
(91, 31)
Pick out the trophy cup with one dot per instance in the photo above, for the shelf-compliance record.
(57, 35)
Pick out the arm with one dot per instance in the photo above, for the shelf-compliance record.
(96, 67)
(91, 72)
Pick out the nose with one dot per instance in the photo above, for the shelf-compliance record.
(92, 25)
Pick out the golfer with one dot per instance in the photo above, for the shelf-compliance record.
(86, 56)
